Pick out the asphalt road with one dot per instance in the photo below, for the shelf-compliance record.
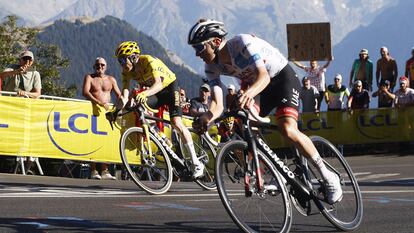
(55, 204)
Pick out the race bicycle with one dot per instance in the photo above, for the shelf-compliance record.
(151, 159)
(258, 188)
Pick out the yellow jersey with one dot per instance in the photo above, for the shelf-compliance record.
(145, 70)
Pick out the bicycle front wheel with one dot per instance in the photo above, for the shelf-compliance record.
(347, 213)
(268, 210)
(149, 168)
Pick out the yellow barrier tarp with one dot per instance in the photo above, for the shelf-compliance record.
(58, 129)
(360, 127)
(79, 131)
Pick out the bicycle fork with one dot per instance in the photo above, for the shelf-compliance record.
(253, 179)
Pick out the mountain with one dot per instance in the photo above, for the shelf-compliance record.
(82, 41)
(168, 21)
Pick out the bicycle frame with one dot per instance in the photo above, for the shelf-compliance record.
(254, 143)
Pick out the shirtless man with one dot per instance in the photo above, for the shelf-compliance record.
(386, 68)
(97, 87)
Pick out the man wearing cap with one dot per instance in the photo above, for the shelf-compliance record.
(409, 69)
(359, 98)
(362, 69)
(22, 78)
(386, 68)
(309, 96)
(335, 94)
(231, 97)
(384, 95)
(199, 105)
(404, 96)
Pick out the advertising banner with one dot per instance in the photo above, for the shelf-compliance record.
(79, 130)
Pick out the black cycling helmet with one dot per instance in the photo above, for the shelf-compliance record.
(204, 30)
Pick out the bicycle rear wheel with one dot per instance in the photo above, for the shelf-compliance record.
(151, 173)
(263, 211)
(347, 213)
(206, 153)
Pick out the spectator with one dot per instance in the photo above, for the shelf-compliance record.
(25, 80)
(316, 75)
(384, 95)
(335, 94)
(184, 102)
(199, 105)
(386, 68)
(404, 96)
(359, 98)
(22, 78)
(362, 69)
(97, 88)
(309, 96)
(409, 69)
(231, 97)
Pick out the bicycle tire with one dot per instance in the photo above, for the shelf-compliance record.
(346, 214)
(207, 154)
(155, 176)
(264, 212)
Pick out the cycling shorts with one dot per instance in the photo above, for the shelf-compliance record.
(169, 96)
(281, 93)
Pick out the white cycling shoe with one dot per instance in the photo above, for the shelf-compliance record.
(198, 170)
(333, 190)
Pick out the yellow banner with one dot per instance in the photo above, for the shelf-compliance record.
(79, 130)
(58, 129)
(360, 127)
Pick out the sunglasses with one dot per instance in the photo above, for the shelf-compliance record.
(336, 79)
(26, 58)
(358, 86)
(122, 60)
(99, 65)
(199, 48)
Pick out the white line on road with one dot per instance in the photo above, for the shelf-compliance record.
(119, 195)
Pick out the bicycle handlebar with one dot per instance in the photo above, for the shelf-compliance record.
(140, 107)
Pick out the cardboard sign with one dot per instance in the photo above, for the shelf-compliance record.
(309, 41)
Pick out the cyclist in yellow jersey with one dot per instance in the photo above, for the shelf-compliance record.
(162, 90)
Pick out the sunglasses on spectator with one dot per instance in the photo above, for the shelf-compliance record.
(27, 58)
(122, 60)
(358, 86)
(336, 79)
(99, 65)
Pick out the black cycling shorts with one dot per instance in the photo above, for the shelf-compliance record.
(281, 93)
(169, 96)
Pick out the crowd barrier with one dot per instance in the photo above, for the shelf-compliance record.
(78, 130)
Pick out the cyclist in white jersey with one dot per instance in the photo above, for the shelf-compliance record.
(263, 70)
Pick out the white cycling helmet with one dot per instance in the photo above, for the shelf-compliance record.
(204, 30)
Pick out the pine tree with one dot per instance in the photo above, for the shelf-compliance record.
(48, 59)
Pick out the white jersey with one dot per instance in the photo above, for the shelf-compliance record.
(247, 53)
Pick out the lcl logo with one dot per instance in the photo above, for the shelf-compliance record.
(56, 127)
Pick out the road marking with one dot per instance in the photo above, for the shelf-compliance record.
(120, 195)
(156, 205)
(376, 176)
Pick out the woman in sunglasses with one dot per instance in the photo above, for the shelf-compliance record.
(263, 71)
(162, 90)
